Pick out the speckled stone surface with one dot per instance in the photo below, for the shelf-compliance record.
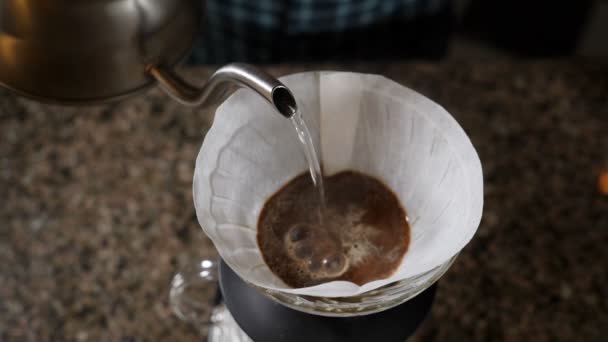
(96, 209)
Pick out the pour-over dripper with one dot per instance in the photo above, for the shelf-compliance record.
(364, 123)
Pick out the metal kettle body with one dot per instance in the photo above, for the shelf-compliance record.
(75, 51)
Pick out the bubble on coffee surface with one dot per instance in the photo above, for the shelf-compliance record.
(303, 250)
(316, 251)
(299, 231)
(335, 264)
(326, 266)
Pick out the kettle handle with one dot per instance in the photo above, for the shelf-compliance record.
(218, 86)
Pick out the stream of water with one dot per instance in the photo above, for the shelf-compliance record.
(311, 157)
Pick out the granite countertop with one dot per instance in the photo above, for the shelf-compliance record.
(96, 209)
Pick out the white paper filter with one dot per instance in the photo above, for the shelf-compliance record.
(360, 122)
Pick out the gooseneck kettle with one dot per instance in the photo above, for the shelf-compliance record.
(87, 51)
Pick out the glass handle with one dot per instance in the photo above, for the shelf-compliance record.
(194, 294)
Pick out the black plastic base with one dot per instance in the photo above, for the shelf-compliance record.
(264, 320)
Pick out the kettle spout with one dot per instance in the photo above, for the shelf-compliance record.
(222, 81)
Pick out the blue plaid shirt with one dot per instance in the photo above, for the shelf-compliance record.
(246, 30)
